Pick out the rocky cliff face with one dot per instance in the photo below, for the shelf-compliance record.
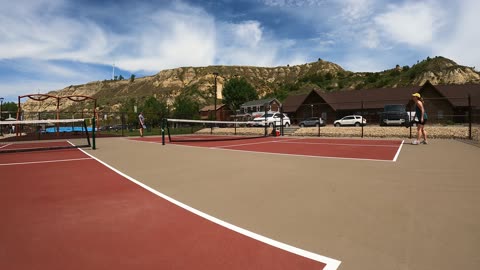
(168, 84)
(458, 75)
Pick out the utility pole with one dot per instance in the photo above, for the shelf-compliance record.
(215, 74)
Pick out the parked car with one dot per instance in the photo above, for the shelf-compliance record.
(312, 122)
(394, 115)
(351, 120)
(272, 118)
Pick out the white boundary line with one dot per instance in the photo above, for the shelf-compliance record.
(298, 155)
(331, 264)
(5, 145)
(292, 141)
(253, 143)
(282, 154)
(398, 151)
(44, 161)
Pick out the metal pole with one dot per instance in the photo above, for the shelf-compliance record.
(215, 74)
(469, 117)
(361, 124)
(410, 119)
(163, 131)
(94, 146)
(282, 127)
(266, 124)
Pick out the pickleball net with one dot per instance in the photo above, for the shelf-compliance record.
(185, 130)
(37, 135)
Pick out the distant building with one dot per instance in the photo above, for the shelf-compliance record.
(444, 103)
(257, 107)
(221, 114)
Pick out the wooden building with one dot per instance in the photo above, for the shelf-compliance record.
(444, 103)
(222, 113)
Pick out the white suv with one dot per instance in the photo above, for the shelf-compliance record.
(274, 117)
(351, 120)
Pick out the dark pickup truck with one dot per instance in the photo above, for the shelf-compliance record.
(394, 115)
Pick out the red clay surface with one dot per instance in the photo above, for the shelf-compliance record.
(317, 147)
(78, 214)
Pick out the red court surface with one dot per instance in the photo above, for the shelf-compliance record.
(65, 210)
(367, 149)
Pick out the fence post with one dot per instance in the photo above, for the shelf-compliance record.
(361, 124)
(281, 121)
(410, 120)
(469, 117)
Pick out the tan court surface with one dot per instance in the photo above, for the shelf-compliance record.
(419, 213)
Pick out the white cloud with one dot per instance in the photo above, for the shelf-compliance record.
(292, 3)
(353, 10)
(413, 23)
(165, 38)
(461, 43)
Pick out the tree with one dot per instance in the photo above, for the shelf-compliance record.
(120, 78)
(154, 111)
(127, 109)
(8, 109)
(132, 77)
(238, 91)
(186, 107)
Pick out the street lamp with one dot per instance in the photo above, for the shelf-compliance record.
(311, 106)
(215, 74)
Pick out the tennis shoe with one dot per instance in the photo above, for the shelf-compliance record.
(424, 142)
(415, 142)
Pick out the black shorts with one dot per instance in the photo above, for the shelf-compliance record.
(421, 123)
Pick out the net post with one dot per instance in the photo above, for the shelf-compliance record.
(93, 133)
(168, 130)
(86, 132)
(163, 131)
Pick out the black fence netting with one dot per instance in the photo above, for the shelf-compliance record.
(311, 118)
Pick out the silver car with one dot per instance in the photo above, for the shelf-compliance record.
(312, 122)
(351, 120)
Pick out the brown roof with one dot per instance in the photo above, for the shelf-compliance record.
(292, 103)
(458, 94)
(377, 98)
(211, 107)
(372, 98)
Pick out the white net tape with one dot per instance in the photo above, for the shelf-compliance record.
(207, 122)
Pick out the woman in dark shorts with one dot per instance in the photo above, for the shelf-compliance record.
(422, 117)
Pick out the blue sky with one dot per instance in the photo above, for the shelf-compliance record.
(47, 45)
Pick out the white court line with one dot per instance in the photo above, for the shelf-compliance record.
(331, 264)
(292, 141)
(254, 143)
(280, 154)
(398, 151)
(44, 161)
(294, 155)
(5, 145)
